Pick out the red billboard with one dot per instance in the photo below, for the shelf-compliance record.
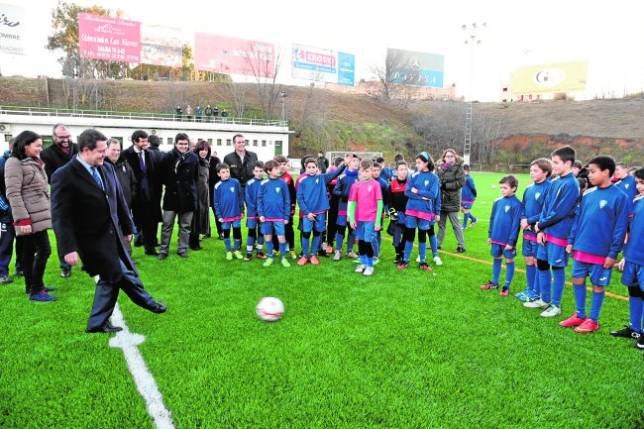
(230, 55)
(109, 39)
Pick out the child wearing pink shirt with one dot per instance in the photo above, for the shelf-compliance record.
(364, 214)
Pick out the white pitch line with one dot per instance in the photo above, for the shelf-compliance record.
(142, 376)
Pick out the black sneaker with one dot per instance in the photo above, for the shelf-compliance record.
(459, 249)
(248, 256)
(626, 332)
(5, 279)
(65, 272)
(640, 342)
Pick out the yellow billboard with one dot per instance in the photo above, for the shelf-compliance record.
(558, 77)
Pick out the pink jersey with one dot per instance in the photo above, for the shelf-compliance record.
(366, 195)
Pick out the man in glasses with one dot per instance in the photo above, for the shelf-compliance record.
(54, 157)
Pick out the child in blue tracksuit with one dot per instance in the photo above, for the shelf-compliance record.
(313, 200)
(533, 198)
(274, 210)
(625, 181)
(553, 228)
(422, 210)
(376, 174)
(633, 267)
(229, 206)
(255, 239)
(468, 196)
(503, 233)
(596, 238)
(342, 189)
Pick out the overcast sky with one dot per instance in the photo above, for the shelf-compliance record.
(610, 35)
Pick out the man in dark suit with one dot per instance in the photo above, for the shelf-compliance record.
(146, 206)
(90, 217)
(54, 157)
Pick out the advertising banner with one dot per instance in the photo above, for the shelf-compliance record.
(161, 46)
(415, 68)
(559, 77)
(110, 39)
(12, 29)
(322, 65)
(231, 55)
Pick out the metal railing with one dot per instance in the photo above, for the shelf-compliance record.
(81, 113)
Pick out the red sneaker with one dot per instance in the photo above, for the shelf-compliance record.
(489, 285)
(572, 322)
(314, 260)
(505, 292)
(588, 326)
(302, 261)
(261, 255)
(423, 266)
(329, 250)
(403, 265)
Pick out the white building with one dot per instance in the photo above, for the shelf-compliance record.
(266, 138)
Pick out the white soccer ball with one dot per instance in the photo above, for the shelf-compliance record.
(270, 309)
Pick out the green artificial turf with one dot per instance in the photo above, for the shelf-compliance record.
(397, 350)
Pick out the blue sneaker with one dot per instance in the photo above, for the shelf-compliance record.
(42, 297)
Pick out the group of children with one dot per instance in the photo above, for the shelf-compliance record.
(590, 218)
(355, 195)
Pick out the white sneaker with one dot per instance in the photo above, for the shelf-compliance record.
(360, 268)
(337, 255)
(551, 311)
(438, 261)
(537, 303)
(352, 255)
(368, 271)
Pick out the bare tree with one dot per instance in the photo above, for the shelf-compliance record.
(312, 124)
(265, 73)
(391, 77)
(237, 93)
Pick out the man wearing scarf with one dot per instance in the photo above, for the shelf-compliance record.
(179, 174)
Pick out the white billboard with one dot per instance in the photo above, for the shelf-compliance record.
(161, 46)
(12, 29)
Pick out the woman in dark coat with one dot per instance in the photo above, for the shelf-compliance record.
(201, 218)
(450, 171)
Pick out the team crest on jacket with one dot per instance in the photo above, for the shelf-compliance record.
(232, 189)
(277, 190)
(507, 208)
(426, 183)
(602, 204)
(626, 185)
(317, 181)
(537, 195)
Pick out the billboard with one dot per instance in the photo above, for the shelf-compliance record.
(415, 68)
(161, 46)
(11, 29)
(110, 39)
(231, 55)
(322, 65)
(558, 77)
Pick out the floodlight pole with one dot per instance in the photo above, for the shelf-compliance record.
(472, 39)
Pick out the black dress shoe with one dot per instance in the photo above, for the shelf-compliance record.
(105, 328)
(157, 307)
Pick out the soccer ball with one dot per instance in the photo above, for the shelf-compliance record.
(270, 309)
